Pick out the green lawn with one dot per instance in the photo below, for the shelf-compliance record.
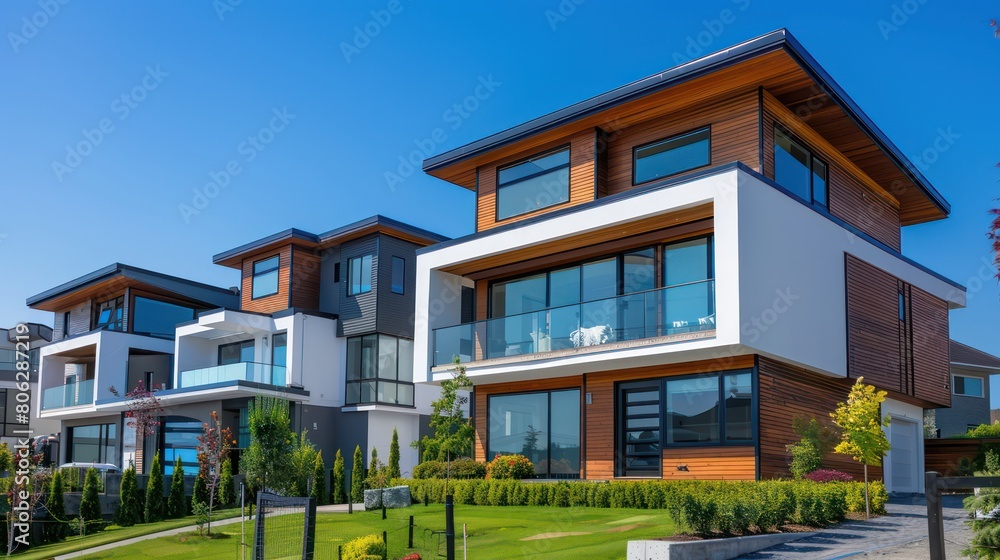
(494, 533)
(115, 533)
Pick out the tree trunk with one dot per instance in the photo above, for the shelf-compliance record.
(867, 507)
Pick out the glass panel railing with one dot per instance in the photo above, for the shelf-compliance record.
(71, 394)
(267, 374)
(665, 311)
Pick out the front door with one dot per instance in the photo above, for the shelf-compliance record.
(903, 457)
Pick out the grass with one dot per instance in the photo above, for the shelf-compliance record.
(494, 533)
(114, 533)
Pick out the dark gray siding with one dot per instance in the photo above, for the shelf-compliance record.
(357, 313)
(331, 429)
(395, 311)
(329, 291)
(964, 411)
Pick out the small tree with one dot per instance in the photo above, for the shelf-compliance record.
(319, 481)
(227, 488)
(6, 458)
(56, 506)
(338, 479)
(129, 510)
(267, 462)
(213, 447)
(177, 501)
(303, 463)
(144, 406)
(358, 476)
(860, 421)
(815, 441)
(394, 471)
(454, 435)
(90, 503)
(154, 492)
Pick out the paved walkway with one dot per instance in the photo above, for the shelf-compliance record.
(340, 508)
(900, 535)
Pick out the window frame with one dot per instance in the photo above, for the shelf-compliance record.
(350, 274)
(116, 304)
(954, 386)
(548, 431)
(351, 379)
(539, 155)
(635, 152)
(777, 127)
(254, 274)
(66, 322)
(240, 343)
(402, 276)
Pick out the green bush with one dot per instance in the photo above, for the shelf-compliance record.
(369, 547)
(227, 488)
(90, 503)
(177, 501)
(358, 476)
(856, 497)
(460, 469)
(154, 492)
(199, 492)
(129, 508)
(55, 529)
(510, 467)
(318, 490)
(337, 480)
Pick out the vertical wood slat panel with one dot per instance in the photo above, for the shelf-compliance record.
(931, 353)
(305, 279)
(272, 303)
(873, 344)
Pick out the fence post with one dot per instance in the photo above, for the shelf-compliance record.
(449, 527)
(385, 541)
(935, 521)
(350, 500)
(410, 541)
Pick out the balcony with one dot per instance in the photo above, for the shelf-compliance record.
(71, 394)
(674, 310)
(266, 374)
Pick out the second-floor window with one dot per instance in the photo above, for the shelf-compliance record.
(672, 155)
(968, 386)
(538, 182)
(265, 277)
(236, 352)
(379, 370)
(797, 169)
(110, 314)
(359, 273)
(398, 275)
(158, 318)
(65, 324)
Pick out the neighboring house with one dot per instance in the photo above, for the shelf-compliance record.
(664, 276)
(324, 321)
(36, 336)
(970, 389)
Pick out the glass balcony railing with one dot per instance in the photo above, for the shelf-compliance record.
(679, 309)
(71, 394)
(267, 374)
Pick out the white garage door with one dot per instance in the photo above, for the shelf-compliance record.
(903, 456)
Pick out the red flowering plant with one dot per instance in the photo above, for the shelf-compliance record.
(828, 475)
(510, 467)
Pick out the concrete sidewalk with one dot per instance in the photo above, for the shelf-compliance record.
(339, 508)
(902, 534)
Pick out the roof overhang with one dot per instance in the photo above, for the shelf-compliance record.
(775, 61)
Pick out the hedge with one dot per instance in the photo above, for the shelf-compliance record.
(460, 469)
(699, 507)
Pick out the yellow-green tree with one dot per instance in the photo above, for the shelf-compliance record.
(861, 423)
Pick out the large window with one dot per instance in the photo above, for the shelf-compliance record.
(359, 275)
(110, 314)
(672, 155)
(544, 427)
(379, 370)
(265, 277)
(158, 318)
(538, 182)
(279, 358)
(236, 352)
(967, 385)
(97, 443)
(398, 275)
(798, 170)
(696, 410)
(180, 439)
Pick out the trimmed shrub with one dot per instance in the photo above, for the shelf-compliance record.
(319, 481)
(55, 530)
(394, 456)
(358, 476)
(337, 480)
(227, 488)
(177, 501)
(199, 493)
(876, 492)
(90, 503)
(828, 475)
(460, 469)
(510, 467)
(154, 492)
(129, 508)
(369, 547)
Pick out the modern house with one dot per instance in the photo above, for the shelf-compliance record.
(35, 336)
(323, 321)
(970, 391)
(664, 276)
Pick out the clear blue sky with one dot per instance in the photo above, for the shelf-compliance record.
(198, 84)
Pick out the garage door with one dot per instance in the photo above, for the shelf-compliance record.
(903, 456)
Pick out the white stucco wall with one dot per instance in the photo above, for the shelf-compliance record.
(904, 412)
(380, 426)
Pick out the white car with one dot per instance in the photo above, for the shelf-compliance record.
(101, 467)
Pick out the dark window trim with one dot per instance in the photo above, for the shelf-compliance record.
(66, 322)
(402, 276)
(548, 394)
(149, 297)
(812, 158)
(350, 268)
(254, 274)
(619, 428)
(240, 343)
(377, 379)
(117, 302)
(635, 150)
(982, 386)
(569, 153)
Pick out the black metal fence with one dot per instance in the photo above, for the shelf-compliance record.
(934, 486)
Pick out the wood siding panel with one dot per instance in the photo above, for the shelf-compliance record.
(358, 312)
(396, 311)
(785, 393)
(931, 355)
(944, 455)
(305, 278)
(79, 320)
(873, 326)
(581, 179)
(734, 122)
(710, 463)
(853, 196)
(272, 303)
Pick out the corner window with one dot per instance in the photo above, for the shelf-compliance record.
(967, 386)
(379, 370)
(797, 169)
(672, 155)
(110, 314)
(533, 184)
(359, 273)
(265, 277)
(398, 275)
